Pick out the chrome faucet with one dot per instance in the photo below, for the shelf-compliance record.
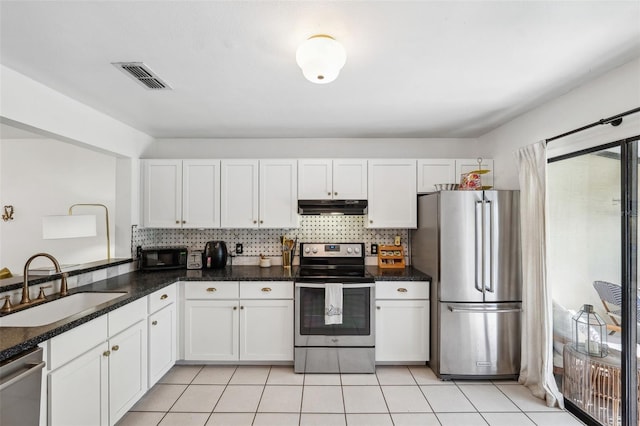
(25, 285)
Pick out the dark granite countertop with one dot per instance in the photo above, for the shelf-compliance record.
(14, 340)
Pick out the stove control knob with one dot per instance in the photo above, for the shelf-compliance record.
(357, 250)
(307, 249)
(315, 250)
(349, 250)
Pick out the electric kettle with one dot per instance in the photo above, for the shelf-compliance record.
(215, 255)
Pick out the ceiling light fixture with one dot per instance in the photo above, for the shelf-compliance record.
(321, 58)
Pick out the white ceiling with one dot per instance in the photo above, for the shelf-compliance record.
(414, 68)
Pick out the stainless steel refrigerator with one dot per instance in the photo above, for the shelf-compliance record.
(469, 242)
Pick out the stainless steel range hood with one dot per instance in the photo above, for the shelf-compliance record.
(332, 207)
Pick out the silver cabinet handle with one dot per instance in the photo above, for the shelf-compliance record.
(34, 368)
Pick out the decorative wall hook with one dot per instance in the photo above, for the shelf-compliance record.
(8, 213)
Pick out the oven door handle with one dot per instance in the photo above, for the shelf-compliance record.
(350, 285)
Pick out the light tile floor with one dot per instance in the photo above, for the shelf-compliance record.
(276, 396)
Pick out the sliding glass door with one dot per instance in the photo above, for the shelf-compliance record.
(592, 269)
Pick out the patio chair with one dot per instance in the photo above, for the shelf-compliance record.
(611, 297)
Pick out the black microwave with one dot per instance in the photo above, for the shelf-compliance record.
(158, 258)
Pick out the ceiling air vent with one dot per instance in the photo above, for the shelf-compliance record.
(141, 73)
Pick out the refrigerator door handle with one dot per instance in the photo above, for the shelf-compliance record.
(483, 310)
(479, 249)
(488, 246)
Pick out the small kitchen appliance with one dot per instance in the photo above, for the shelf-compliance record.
(159, 258)
(194, 259)
(215, 255)
(329, 345)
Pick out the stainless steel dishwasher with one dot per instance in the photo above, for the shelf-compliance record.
(20, 383)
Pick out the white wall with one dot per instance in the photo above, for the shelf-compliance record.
(44, 177)
(608, 95)
(312, 148)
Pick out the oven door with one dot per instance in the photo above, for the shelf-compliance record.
(358, 316)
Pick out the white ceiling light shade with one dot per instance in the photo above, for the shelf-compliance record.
(321, 58)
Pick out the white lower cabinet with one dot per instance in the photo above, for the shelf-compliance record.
(162, 342)
(127, 370)
(402, 321)
(211, 330)
(220, 324)
(97, 385)
(162, 332)
(266, 330)
(78, 392)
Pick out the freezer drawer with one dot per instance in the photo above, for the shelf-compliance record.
(479, 340)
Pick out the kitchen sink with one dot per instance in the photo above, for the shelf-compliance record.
(58, 309)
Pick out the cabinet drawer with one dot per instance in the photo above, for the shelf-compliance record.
(211, 290)
(76, 341)
(125, 317)
(161, 298)
(402, 290)
(266, 290)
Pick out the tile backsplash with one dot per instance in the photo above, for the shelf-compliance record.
(339, 229)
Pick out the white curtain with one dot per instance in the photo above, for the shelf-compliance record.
(536, 371)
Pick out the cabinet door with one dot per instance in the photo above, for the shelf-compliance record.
(162, 192)
(127, 370)
(434, 171)
(162, 342)
(402, 330)
(266, 330)
(315, 180)
(201, 194)
(392, 194)
(466, 165)
(78, 391)
(350, 179)
(278, 194)
(239, 194)
(211, 330)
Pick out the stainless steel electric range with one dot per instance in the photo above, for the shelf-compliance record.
(330, 346)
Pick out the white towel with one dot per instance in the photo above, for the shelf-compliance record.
(333, 304)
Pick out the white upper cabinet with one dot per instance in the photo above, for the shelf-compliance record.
(162, 192)
(278, 194)
(344, 179)
(259, 194)
(200, 193)
(181, 194)
(434, 171)
(392, 194)
(239, 193)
